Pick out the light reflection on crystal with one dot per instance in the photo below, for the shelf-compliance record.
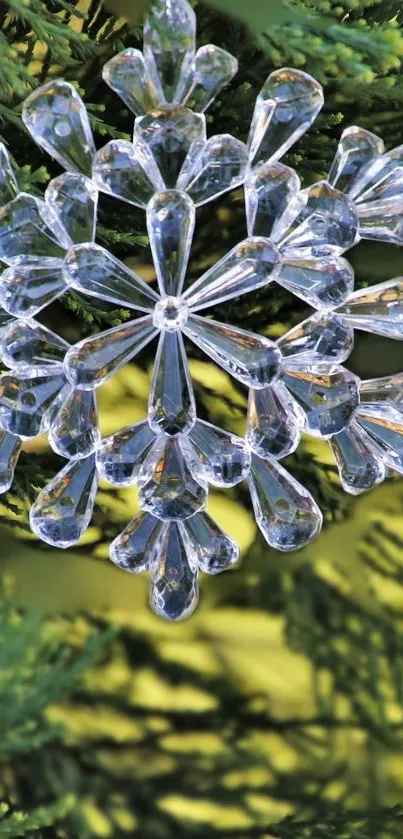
(359, 464)
(139, 545)
(274, 422)
(384, 424)
(170, 224)
(169, 44)
(127, 75)
(128, 171)
(221, 165)
(120, 456)
(377, 309)
(357, 148)
(174, 583)
(26, 395)
(212, 70)
(8, 181)
(328, 395)
(324, 336)
(268, 191)
(223, 458)
(212, 549)
(63, 510)
(30, 284)
(323, 283)
(29, 343)
(171, 404)
(173, 136)
(74, 430)
(168, 485)
(75, 198)
(30, 226)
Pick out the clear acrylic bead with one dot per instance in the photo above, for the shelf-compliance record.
(171, 404)
(274, 422)
(286, 107)
(63, 510)
(91, 362)
(325, 336)
(169, 487)
(378, 176)
(28, 343)
(26, 396)
(120, 456)
(92, 270)
(326, 224)
(74, 429)
(169, 45)
(357, 148)
(253, 359)
(170, 225)
(127, 171)
(174, 136)
(248, 266)
(323, 283)
(127, 75)
(359, 464)
(139, 545)
(221, 165)
(378, 309)
(213, 68)
(328, 395)
(8, 181)
(174, 583)
(222, 458)
(384, 389)
(56, 117)
(383, 422)
(285, 511)
(10, 447)
(75, 198)
(30, 284)
(212, 549)
(269, 189)
(30, 226)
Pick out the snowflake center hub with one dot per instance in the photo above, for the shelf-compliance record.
(171, 313)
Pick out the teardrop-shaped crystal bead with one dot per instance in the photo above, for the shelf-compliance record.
(284, 510)
(92, 270)
(384, 424)
(127, 171)
(169, 487)
(169, 44)
(56, 118)
(174, 583)
(323, 283)
(250, 265)
(212, 549)
(127, 75)
(213, 69)
(26, 396)
(357, 148)
(170, 225)
(30, 284)
(274, 422)
(75, 199)
(10, 447)
(358, 462)
(221, 165)
(286, 107)
(253, 359)
(74, 430)
(30, 226)
(171, 404)
(325, 336)
(29, 343)
(223, 459)
(8, 181)
(383, 220)
(383, 389)
(91, 362)
(139, 544)
(63, 510)
(378, 309)
(326, 224)
(173, 136)
(269, 190)
(120, 456)
(378, 176)
(328, 394)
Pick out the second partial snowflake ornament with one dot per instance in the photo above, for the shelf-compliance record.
(296, 238)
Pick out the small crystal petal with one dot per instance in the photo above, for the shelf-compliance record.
(325, 336)
(274, 422)
(213, 69)
(378, 309)
(174, 584)
(223, 459)
(74, 429)
(75, 198)
(384, 424)
(8, 182)
(357, 148)
(171, 404)
(328, 394)
(63, 510)
(359, 464)
(139, 545)
(323, 283)
(168, 485)
(170, 224)
(120, 456)
(10, 447)
(127, 171)
(212, 549)
(30, 284)
(169, 44)
(127, 75)
(269, 190)
(28, 343)
(221, 165)
(174, 137)
(26, 396)
(29, 226)
(326, 224)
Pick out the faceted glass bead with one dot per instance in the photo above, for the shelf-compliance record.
(221, 165)
(253, 359)
(274, 422)
(127, 171)
(223, 459)
(29, 344)
(324, 336)
(25, 397)
(92, 270)
(174, 584)
(250, 265)
(8, 181)
(284, 510)
(326, 224)
(358, 462)
(384, 424)
(357, 148)
(213, 68)
(169, 44)
(30, 226)
(286, 107)
(91, 362)
(378, 309)
(383, 219)
(57, 120)
(170, 225)
(212, 549)
(74, 429)
(127, 75)
(30, 284)
(10, 447)
(379, 177)
(384, 389)
(63, 510)
(173, 136)
(323, 283)
(268, 191)
(168, 485)
(75, 198)
(120, 456)
(139, 545)
(171, 404)
(328, 395)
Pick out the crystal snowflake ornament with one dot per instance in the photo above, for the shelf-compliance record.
(296, 237)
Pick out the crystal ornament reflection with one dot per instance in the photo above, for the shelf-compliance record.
(75, 198)
(63, 510)
(27, 343)
(74, 430)
(323, 283)
(324, 336)
(325, 223)
(29, 226)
